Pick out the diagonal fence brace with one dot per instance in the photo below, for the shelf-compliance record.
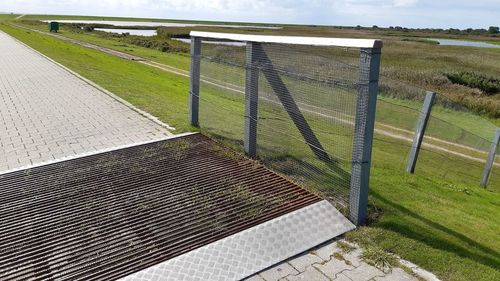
(290, 105)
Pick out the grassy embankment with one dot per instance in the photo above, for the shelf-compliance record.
(445, 227)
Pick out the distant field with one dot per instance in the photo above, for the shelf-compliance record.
(8, 16)
(470, 122)
(407, 56)
(69, 17)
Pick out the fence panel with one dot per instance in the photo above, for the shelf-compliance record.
(295, 106)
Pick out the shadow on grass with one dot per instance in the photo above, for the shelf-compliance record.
(327, 177)
(490, 257)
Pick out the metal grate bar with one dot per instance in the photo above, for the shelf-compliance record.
(105, 216)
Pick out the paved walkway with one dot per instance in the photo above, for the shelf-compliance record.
(48, 113)
(330, 262)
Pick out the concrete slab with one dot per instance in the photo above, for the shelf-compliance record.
(278, 272)
(310, 274)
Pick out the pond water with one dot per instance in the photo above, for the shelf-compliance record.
(187, 40)
(453, 42)
(154, 24)
(140, 32)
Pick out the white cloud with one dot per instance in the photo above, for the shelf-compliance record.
(404, 3)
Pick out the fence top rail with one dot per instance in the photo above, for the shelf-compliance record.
(295, 40)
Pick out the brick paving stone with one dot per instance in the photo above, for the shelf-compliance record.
(333, 267)
(310, 274)
(327, 250)
(363, 272)
(278, 271)
(45, 108)
(353, 257)
(303, 261)
(341, 277)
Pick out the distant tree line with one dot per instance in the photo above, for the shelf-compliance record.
(492, 30)
(473, 31)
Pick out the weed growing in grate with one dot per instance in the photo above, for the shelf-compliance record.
(226, 153)
(217, 225)
(178, 148)
(257, 203)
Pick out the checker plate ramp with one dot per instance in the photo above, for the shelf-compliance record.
(185, 205)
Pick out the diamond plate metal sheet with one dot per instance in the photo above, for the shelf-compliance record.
(252, 250)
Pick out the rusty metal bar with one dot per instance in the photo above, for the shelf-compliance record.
(106, 216)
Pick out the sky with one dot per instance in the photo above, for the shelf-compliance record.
(407, 13)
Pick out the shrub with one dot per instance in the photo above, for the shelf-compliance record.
(168, 33)
(88, 28)
(488, 85)
(159, 44)
(494, 30)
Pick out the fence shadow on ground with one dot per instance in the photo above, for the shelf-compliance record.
(490, 257)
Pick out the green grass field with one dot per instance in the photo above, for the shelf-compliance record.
(8, 16)
(446, 224)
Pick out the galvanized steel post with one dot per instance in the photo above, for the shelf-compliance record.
(491, 159)
(420, 131)
(194, 81)
(251, 99)
(363, 133)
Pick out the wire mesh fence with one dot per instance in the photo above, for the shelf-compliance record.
(462, 154)
(398, 109)
(456, 141)
(222, 93)
(306, 135)
(309, 136)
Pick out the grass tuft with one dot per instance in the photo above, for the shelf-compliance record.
(345, 247)
(377, 257)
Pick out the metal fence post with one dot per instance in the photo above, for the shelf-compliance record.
(251, 99)
(363, 133)
(420, 131)
(491, 159)
(194, 81)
